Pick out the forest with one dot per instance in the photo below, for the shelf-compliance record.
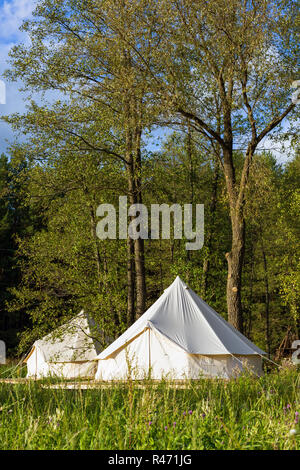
(165, 102)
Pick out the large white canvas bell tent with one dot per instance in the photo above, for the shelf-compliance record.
(180, 336)
(68, 352)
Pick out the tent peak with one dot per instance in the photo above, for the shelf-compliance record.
(179, 280)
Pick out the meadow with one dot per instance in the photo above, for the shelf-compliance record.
(243, 413)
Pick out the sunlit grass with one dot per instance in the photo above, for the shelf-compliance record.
(245, 413)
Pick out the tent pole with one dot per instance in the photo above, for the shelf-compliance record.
(241, 362)
(149, 352)
(270, 360)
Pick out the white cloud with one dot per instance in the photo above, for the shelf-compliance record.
(12, 15)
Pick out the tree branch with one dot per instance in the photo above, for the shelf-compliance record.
(202, 124)
(274, 123)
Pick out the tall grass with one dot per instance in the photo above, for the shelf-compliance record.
(245, 413)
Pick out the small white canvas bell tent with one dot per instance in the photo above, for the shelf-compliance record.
(69, 351)
(179, 337)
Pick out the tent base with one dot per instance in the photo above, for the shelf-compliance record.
(152, 355)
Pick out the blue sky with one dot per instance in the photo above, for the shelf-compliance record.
(12, 14)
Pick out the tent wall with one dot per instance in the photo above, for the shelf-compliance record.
(73, 370)
(38, 368)
(168, 360)
(223, 366)
(36, 365)
(152, 350)
(131, 361)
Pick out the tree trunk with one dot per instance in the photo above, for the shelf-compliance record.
(235, 257)
(96, 246)
(130, 242)
(234, 280)
(135, 248)
(161, 268)
(248, 327)
(131, 197)
(140, 276)
(267, 297)
(130, 283)
(209, 236)
(139, 252)
(191, 175)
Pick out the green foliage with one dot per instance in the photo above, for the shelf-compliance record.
(289, 209)
(15, 221)
(60, 274)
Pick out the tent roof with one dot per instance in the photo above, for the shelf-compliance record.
(183, 317)
(72, 341)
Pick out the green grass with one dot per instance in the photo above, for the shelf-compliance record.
(12, 370)
(246, 413)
